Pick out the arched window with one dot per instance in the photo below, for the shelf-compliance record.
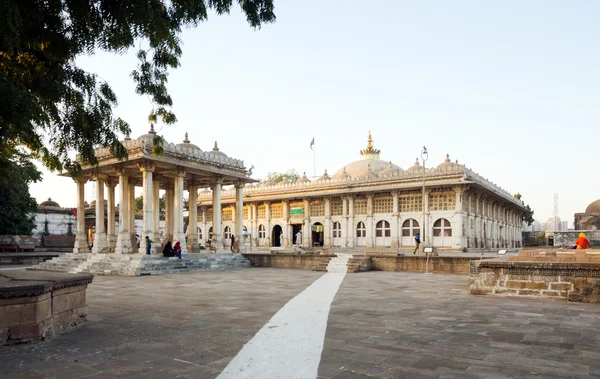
(261, 231)
(337, 230)
(361, 231)
(199, 232)
(410, 228)
(210, 233)
(382, 229)
(227, 233)
(442, 233)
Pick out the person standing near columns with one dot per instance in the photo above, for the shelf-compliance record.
(81, 242)
(100, 245)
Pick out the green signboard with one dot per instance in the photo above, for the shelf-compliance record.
(296, 211)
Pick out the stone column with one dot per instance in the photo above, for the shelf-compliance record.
(204, 226)
(395, 221)
(344, 226)
(370, 229)
(254, 226)
(124, 237)
(131, 218)
(327, 226)
(111, 237)
(218, 237)
(268, 224)
(168, 213)
(147, 170)
(426, 231)
(286, 220)
(193, 243)
(156, 213)
(178, 234)
(100, 245)
(459, 238)
(307, 232)
(351, 227)
(81, 243)
(239, 220)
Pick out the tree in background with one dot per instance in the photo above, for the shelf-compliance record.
(139, 203)
(528, 217)
(53, 107)
(17, 207)
(276, 177)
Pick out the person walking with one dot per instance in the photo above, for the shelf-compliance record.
(417, 243)
(148, 245)
(232, 242)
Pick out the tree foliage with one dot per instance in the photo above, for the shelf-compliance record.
(17, 207)
(46, 97)
(276, 177)
(139, 203)
(528, 217)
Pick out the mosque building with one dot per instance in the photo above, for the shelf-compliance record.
(371, 202)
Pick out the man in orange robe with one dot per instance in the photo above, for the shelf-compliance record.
(582, 242)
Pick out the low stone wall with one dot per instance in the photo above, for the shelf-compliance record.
(26, 258)
(567, 280)
(438, 265)
(39, 305)
(282, 260)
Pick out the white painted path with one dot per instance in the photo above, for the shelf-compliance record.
(290, 344)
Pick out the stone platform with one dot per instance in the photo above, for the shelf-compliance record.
(39, 305)
(141, 264)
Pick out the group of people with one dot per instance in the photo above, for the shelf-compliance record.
(168, 251)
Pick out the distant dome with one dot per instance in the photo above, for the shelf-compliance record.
(389, 170)
(593, 207)
(217, 152)
(49, 203)
(303, 179)
(416, 166)
(447, 164)
(368, 165)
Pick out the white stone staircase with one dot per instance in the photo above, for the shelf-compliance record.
(339, 263)
(141, 264)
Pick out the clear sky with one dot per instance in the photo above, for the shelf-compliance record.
(509, 88)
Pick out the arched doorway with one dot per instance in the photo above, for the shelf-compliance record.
(317, 234)
(410, 228)
(210, 233)
(227, 236)
(337, 234)
(383, 233)
(199, 233)
(261, 235)
(277, 236)
(442, 233)
(361, 234)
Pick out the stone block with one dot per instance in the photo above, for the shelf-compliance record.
(561, 286)
(25, 299)
(530, 293)
(554, 294)
(68, 301)
(19, 332)
(526, 285)
(64, 291)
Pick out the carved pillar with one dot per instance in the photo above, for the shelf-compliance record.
(239, 220)
(193, 243)
(370, 229)
(344, 236)
(81, 242)
(268, 225)
(100, 245)
(147, 170)
(217, 236)
(111, 237)
(131, 212)
(178, 233)
(124, 237)
(168, 212)
(426, 232)
(254, 211)
(204, 226)
(156, 214)
(286, 221)
(307, 232)
(395, 221)
(327, 226)
(351, 227)
(459, 239)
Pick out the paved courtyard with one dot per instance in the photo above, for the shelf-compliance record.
(390, 325)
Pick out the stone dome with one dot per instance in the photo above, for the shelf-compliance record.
(416, 166)
(217, 152)
(369, 163)
(188, 147)
(341, 175)
(389, 170)
(303, 179)
(593, 207)
(148, 136)
(447, 164)
(49, 203)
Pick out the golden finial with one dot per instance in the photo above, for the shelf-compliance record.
(370, 152)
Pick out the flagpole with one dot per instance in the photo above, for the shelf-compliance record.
(314, 162)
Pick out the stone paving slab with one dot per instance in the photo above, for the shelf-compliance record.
(381, 325)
